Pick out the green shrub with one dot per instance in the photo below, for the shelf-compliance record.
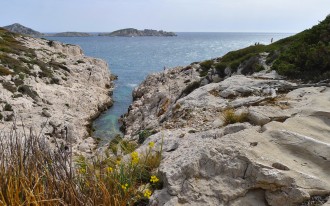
(25, 89)
(258, 67)
(124, 145)
(205, 67)
(190, 88)
(7, 107)
(143, 135)
(14, 64)
(306, 55)
(58, 66)
(220, 68)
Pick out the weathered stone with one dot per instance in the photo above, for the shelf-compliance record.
(82, 93)
(284, 160)
(46, 113)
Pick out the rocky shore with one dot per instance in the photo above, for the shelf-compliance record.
(277, 155)
(235, 132)
(53, 87)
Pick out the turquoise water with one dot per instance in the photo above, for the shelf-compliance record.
(132, 59)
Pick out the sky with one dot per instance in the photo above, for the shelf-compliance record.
(289, 16)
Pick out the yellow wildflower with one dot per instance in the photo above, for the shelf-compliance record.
(151, 144)
(124, 187)
(109, 169)
(82, 171)
(147, 193)
(135, 157)
(154, 179)
(118, 162)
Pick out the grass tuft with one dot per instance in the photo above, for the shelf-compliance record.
(230, 117)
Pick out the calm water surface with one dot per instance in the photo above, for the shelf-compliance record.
(132, 59)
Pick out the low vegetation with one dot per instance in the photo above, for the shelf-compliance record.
(7, 107)
(33, 174)
(144, 134)
(229, 116)
(16, 59)
(303, 56)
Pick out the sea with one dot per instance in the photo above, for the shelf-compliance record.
(133, 58)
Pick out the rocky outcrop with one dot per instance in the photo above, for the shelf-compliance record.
(56, 91)
(278, 155)
(130, 32)
(20, 29)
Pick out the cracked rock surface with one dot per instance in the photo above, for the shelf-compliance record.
(61, 102)
(279, 155)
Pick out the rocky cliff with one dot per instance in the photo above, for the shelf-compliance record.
(52, 88)
(130, 32)
(235, 132)
(20, 29)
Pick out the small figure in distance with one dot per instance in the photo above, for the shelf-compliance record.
(271, 41)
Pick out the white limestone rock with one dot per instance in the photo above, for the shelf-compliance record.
(65, 108)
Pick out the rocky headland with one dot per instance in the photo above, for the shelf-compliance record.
(53, 87)
(249, 128)
(130, 32)
(20, 29)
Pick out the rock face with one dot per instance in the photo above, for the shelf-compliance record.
(278, 156)
(57, 90)
(20, 29)
(70, 34)
(134, 32)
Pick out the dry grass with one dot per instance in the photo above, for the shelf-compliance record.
(33, 174)
(164, 107)
(230, 117)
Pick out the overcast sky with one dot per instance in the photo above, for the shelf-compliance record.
(170, 15)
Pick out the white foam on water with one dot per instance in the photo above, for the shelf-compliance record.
(132, 85)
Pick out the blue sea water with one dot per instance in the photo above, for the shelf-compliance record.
(133, 58)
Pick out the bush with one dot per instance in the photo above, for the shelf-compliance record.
(205, 67)
(7, 107)
(143, 135)
(190, 88)
(220, 68)
(25, 89)
(124, 145)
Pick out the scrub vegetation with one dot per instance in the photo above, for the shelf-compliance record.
(302, 56)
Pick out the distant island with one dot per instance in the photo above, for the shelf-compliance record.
(130, 32)
(20, 29)
(70, 34)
